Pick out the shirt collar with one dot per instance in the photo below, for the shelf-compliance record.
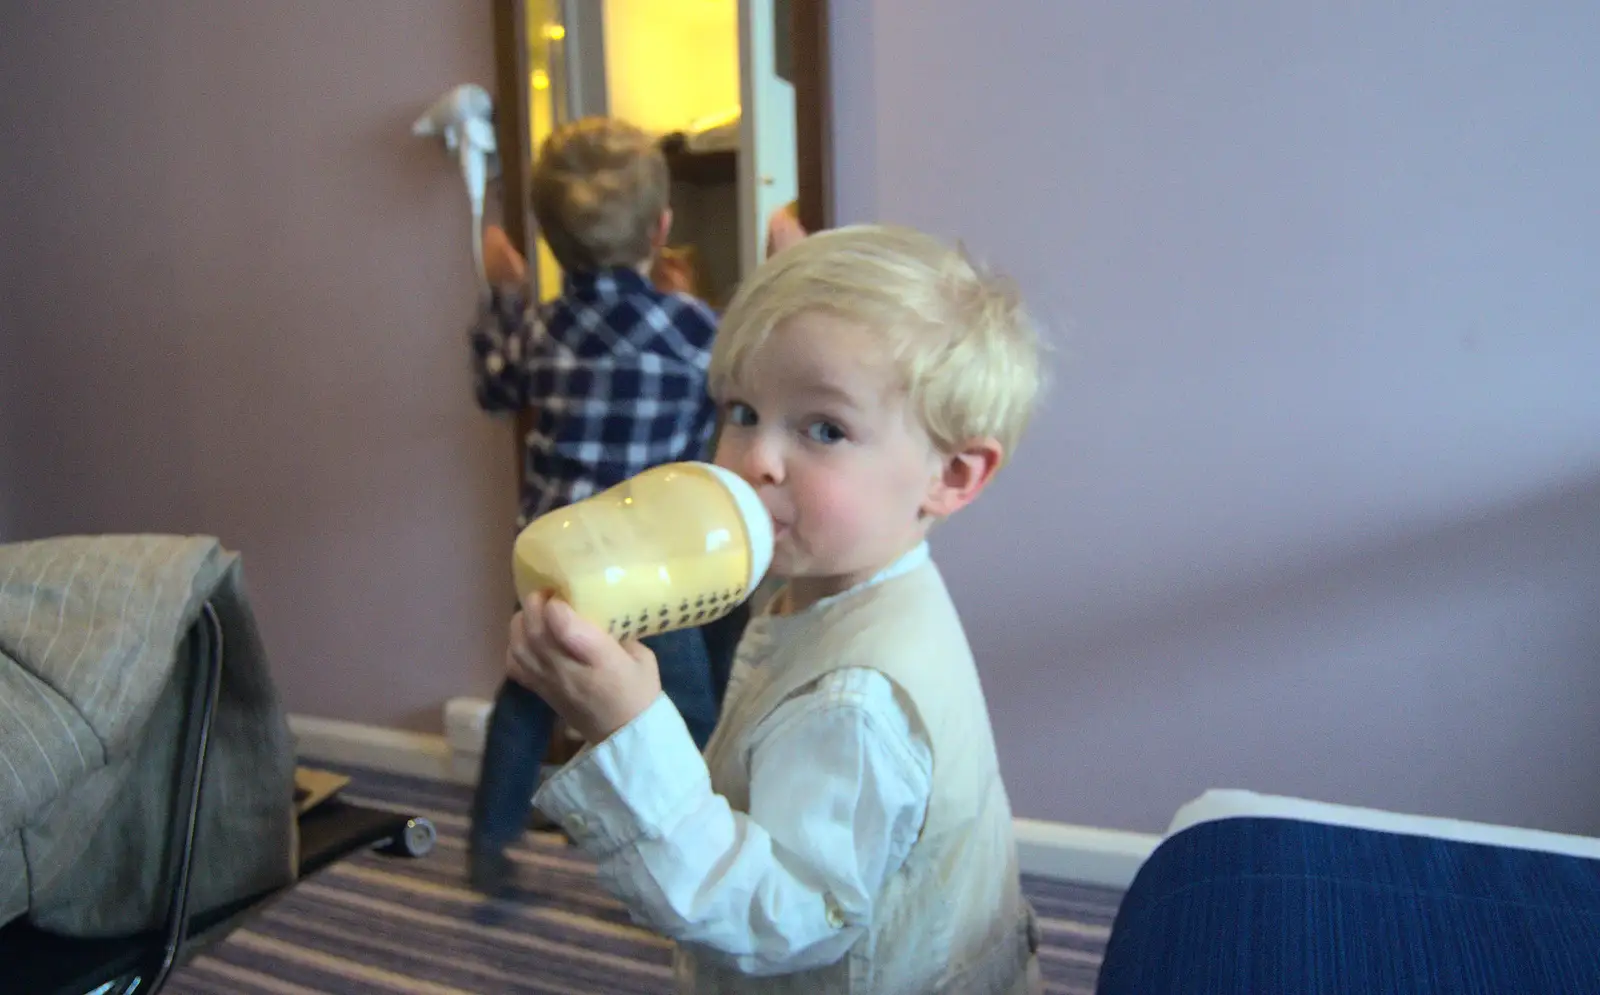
(907, 562)
(616, 280)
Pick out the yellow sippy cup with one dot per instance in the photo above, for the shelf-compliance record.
(673, 547)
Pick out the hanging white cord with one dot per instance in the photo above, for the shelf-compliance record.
(474, 169)
(462, 119)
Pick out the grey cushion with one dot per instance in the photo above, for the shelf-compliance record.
(94, 714)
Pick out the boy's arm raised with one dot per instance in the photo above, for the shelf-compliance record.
(504, 331)
(502, 340)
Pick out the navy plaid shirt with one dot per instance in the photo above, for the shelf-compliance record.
(615, 372)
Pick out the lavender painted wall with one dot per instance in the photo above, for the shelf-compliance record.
(235, 300)
(10, 410)
(10, 265)
(1315, 505)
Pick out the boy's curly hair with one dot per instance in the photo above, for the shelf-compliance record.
(600, 186)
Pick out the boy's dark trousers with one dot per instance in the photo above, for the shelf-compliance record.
(522, 723)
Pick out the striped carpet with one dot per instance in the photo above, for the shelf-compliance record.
(382, 924)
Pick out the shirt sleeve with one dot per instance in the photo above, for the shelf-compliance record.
(502, 341)
(704, 327)
(840, 782)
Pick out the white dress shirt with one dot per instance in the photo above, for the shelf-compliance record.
(840, 778)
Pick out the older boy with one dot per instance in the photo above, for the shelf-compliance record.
(615, 372)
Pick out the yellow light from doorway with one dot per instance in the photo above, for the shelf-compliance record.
(554, 32)
(541, 80)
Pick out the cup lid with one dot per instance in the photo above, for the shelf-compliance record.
(757, 523)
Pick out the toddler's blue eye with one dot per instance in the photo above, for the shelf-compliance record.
(740, 413)
(825, 432)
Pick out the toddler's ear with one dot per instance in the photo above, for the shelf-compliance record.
(663, 229)
(962, 475)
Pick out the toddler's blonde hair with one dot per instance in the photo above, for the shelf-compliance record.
(599, 188)
(963, 343)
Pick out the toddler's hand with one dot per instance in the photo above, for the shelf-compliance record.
(595, 683)
(783, 230)
(502, 263)
(672, 274)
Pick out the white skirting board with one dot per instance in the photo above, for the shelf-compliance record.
(1054, 850)
(1064, 852)
(393, 751)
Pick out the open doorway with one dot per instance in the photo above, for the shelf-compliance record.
(672, 67)
(735, 91)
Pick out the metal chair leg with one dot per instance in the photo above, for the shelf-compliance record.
(206, 655)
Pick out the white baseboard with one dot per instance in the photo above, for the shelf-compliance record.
(1059, 850)
(393, 751)
(1056, 850)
